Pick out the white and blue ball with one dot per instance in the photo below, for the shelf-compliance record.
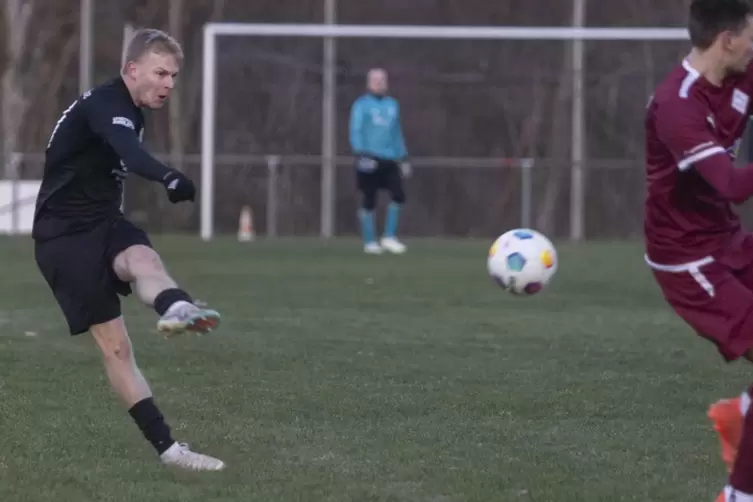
(522, 261)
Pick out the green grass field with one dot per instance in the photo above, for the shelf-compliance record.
(343, 377)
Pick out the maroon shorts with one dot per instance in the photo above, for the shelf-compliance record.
(715, 298)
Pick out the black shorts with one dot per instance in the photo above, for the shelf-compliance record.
(386, 176)
(79, 270)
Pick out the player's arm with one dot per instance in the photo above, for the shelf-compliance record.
(399, 138)
(683, 127)
(364, 162)
(114, 122)
(356, 128)
(402, 151)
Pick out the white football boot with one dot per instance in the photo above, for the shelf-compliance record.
(183, 317)
(393, 245)
(180, 455)
(372, 248)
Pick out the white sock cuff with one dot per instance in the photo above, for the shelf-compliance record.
(744, 403)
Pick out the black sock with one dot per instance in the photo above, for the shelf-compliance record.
(165, 299)
(152, 424)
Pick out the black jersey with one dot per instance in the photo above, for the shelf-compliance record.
(93, 146)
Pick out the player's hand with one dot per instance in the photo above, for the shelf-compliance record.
(179, 187)
(405, 169)
(366, 164)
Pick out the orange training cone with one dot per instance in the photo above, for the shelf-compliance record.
(246, 225)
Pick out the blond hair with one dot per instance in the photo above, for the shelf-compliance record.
(151, 40)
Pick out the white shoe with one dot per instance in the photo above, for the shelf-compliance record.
(393, 245)
(179, 455)
(184, 316)
(373, 248)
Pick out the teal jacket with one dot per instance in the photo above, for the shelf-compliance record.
(375, 128)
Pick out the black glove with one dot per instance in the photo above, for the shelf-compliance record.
(179, 187)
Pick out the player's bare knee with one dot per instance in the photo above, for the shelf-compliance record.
(138, 261)
(147, 260)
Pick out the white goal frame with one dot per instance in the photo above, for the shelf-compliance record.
(329, 32)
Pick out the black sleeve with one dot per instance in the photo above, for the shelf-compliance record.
(113, 120)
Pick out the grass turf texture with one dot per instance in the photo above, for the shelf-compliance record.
(338, 376)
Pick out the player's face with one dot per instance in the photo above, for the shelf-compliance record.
(377, 82)
(155, 76)
(739, 48)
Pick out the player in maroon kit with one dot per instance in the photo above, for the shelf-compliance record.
(700, 256)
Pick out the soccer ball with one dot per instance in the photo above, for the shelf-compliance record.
(522, 261)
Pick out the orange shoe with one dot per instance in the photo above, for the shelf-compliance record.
(728, 423)
(721, 498)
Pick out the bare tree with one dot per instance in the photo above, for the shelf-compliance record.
(177, 151)
(193, 81)
(14, 101)
(506, 99)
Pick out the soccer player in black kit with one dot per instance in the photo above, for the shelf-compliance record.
(87, 251)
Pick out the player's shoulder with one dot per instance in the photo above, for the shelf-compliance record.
(112, 91)
(679, 92)
(112, 101)
(680, 84)
(363, 98)
(109, 87)
(360, 102)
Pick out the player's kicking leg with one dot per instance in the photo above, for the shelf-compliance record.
(729, 416)
(734, 424)
(132, 388)
(138, 265)
(718, 303)
(141, 266)
(726, 416)
(394, 183)
(79, 272)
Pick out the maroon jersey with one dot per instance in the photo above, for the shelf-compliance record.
(693, 130)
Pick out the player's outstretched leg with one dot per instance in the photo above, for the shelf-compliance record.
(389, 238)
(142, 266)
(368, 188)
(368, 232)
(740, 485)
(132, 388)
(727, 418)
(390, 241)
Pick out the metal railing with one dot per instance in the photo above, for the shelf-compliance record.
(29, 167)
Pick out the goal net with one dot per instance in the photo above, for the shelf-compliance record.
(505, 126)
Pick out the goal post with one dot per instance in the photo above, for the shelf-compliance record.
(333, 31)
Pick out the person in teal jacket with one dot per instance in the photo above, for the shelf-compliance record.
(376, 140)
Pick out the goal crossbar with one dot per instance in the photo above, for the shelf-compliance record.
(332, 31)
(445, 32)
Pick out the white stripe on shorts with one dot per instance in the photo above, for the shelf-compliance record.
(693, 268)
